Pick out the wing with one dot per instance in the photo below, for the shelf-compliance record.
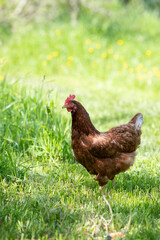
(121, 139)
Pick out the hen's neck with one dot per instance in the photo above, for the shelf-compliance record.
(81, 123)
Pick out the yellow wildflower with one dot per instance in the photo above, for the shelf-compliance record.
(88, 41)
(125, 65)
(98, 46)
(55, 54)
(44, 63)
(140, 77)
(58, 32)
(60, 68)
(149, 74)
(120, 42)
(148, 53)
(1, 60)
(130, 70)
(70, 59)
(157, 74)
(90, 50)
(104, 55)
(156, 71)
(1, 78)
(139, 67)
(49, 57)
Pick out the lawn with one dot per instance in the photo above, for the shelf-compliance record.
(114, 72)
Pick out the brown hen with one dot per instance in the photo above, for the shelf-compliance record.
(104, 154)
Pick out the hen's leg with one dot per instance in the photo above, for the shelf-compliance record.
(102, 180)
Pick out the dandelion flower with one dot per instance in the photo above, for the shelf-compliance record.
(90, 50)
(149, 74)
(120, 42)
(125, 65)
(88, 41)
(70, 59)
(44, 63)
(58, 32)
(130, 70)
(140, 66)
(98, 46)
(148, 53)
(156, 72)
(104, 55)
(155, 69)
(1, 78)
(55, 54)
(49, 57)
(140, 77)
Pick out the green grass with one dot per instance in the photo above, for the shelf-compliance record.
(44, 193)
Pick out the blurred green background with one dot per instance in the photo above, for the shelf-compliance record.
(100, 39)
(107, 53)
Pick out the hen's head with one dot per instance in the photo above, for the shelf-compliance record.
(69, 104)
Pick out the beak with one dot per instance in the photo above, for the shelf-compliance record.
(64, 106)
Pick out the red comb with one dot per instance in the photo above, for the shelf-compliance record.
(71, 97)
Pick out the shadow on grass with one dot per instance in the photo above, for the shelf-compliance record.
(135, 180)
(57, 202)
(142, 180)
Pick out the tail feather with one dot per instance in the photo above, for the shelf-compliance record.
(137, 120)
